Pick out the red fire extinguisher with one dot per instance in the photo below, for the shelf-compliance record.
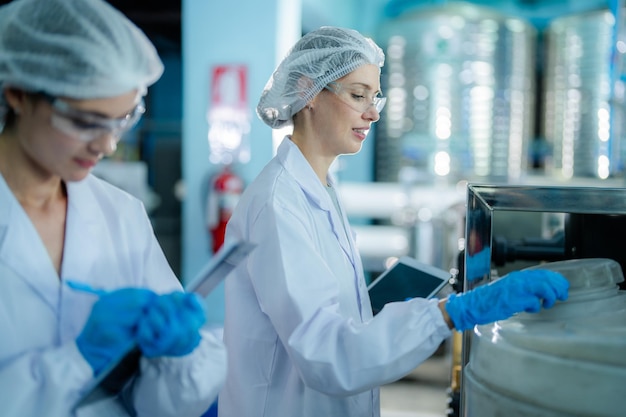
(226, 188)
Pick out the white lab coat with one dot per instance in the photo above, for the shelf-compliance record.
(109, 243)
(299, 330)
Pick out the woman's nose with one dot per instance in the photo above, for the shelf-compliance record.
(105, 144)
(371, 114)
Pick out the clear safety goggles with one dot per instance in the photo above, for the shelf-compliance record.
(356, 97)
(87, 126)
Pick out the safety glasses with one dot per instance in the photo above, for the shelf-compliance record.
(87, 126)
(356, 97)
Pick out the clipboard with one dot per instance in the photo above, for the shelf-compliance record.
(116, 375)
(407, 278)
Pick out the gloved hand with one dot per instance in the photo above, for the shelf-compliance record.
(516, 292)
(171, 325)
(111, 326)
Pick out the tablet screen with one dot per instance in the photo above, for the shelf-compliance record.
(407, 278)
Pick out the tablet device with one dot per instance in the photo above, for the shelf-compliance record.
(407, 278)
(219, 266)
(115, 376)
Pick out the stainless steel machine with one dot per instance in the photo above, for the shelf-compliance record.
(553, 223)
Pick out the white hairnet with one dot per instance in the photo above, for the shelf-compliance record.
(81, 49)
(318, 58)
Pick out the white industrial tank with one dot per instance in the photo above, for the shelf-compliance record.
(568, 361)
(460, 87)
(583, 95)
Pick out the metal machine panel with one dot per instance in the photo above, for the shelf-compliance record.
(594, 218)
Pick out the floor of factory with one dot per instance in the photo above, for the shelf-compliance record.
(422, 393)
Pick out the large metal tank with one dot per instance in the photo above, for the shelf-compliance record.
(568, 361)
(584, 116)
(460, 82)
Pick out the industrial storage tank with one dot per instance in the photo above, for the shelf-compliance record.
(460, 83)
(567, 361)
(583, 96)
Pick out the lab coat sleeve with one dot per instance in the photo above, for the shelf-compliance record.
(176, 386)
(31, 383)
(300, 293)
(181, 386)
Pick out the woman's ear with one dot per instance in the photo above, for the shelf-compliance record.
(15, 99)
(313, 102)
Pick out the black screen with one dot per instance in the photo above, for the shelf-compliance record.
(403, 281)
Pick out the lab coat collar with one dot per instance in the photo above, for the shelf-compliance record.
(22, 250)
(296, 164)
(84, 223)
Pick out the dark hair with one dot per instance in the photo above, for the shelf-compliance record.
(9, 119)
(10, 115)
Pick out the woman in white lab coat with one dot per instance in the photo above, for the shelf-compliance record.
(299, 330)
(73, 74)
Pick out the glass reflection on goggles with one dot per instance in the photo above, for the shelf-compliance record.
(355, 99)
(88, 126)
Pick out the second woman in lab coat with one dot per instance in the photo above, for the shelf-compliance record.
(299, 330)
(73, 74)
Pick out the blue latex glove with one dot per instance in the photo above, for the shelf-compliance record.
(518, 291)
(171, 325)
(111, 327)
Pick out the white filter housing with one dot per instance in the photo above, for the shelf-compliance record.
(568, 361)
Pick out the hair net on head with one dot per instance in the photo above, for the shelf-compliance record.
(318, 58)
(81, 49)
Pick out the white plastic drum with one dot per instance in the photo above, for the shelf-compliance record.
(562, 362)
